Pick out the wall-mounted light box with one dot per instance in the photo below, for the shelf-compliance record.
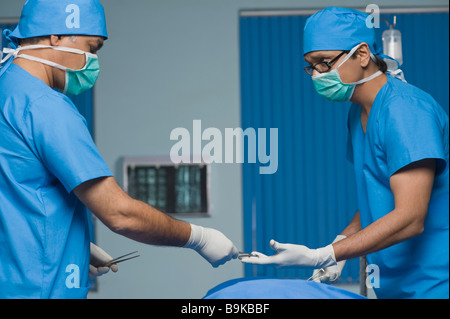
(176, 189)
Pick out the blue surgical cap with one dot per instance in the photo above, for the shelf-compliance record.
(338, 29)
(60, 17)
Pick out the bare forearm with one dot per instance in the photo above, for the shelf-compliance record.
(145, 224)
(141, 222)
(386, 231)
(131, 218)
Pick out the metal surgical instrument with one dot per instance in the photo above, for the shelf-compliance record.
(243, 255)
(318, 274)
(120, 259)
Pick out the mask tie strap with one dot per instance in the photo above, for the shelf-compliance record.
(14, 52)
(393, 67)
(9, 41)
(9, 53)
(348, 55)
(36, 59)
(368, 78)
(398, 74)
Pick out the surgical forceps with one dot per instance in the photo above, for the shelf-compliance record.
(120, 259)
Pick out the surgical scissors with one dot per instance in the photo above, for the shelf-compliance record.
(120, 259)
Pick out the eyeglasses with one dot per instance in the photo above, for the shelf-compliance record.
(322, 67)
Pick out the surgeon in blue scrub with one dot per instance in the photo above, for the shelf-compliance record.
(398, 142)
(50, 169)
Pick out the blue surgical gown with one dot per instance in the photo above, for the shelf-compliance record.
(45, 152)
(405, 125)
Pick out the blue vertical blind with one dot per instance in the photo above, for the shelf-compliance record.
(312, 196)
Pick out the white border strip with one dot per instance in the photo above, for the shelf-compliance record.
(295, 12)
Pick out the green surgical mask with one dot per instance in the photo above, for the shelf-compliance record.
(330, 86)
(76, 81)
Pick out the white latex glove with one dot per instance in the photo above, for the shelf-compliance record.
(294, 255)
(212, 245)
(331, 273)
(99, 257)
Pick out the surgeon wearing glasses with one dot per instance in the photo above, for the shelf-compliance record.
(398, 143)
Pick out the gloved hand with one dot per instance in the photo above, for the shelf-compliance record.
(331, 273)
(99, 257)
(294, 255)
(212, 245)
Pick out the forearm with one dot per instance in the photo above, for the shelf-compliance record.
(141, 222)
(353, 227)
(411, 187)
(391, 229)
(129, 217)
(145, 224)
